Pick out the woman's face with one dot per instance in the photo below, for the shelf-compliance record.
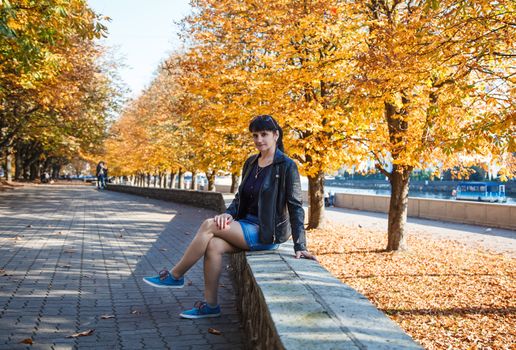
(265, 140)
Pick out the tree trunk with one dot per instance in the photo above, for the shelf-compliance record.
(26, 172)
(210, 175)
(9, 165)
(193, 185)
(18, 167)
(56, 169)
(34, 173)
(181, 175)
(173, 179)
(235, 181)
(316, 198)
(399, 179)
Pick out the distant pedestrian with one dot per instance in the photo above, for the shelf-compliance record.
(45, 177)
(101, 175)
(326, 199)
(332, 199)
(265, 211)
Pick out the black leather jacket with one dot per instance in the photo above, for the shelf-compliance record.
(280, 206)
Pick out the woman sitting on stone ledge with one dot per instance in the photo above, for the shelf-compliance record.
(266, 210)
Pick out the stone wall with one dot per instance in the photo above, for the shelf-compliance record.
(289, 303)
(464, 212)
(256, 318)
(203, 199)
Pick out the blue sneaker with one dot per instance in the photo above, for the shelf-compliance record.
(165, 280)
(201, 310)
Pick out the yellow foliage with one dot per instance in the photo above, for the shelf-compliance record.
(405, 84)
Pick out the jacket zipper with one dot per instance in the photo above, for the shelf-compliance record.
(276, 183)
(282, 222)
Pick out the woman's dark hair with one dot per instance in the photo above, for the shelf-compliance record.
(267, 123)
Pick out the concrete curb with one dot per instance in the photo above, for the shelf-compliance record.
(202, 199)
(308, 307)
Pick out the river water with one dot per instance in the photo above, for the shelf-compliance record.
(224, 180)
(420, 194)
(387, 192)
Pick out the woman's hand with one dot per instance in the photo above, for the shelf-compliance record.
(305, 254)
(223, 220)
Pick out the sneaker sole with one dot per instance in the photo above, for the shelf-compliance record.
(160, 285)
(192, 317)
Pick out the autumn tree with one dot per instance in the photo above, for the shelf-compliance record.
(54, 96)
(274, 59)
(434, 83)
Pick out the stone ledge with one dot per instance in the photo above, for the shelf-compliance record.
(203, 199)
(293, 303)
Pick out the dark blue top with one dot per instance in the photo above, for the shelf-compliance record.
(251, 189)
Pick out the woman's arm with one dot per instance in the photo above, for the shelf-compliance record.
(295, 206)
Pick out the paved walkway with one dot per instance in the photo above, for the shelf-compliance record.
(70, 254)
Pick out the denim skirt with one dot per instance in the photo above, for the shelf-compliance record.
(251, 227)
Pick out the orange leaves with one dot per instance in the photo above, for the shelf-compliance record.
(443, 294)
(353, 83)
(59, 94)
(214, 331)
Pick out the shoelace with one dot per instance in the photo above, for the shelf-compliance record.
(163, 274)
(200, 305)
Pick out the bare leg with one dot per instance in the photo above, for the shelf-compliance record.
(197, 248)
(213, 267)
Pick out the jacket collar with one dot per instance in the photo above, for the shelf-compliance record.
(279, 157)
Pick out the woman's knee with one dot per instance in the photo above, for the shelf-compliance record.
(208, 226)
(216, 246)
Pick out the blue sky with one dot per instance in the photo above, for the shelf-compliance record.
(142, 34)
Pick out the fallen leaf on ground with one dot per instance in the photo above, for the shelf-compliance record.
(439, 291)
(214, 331)
(106, 317)
(82, 334)
(27, 341)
